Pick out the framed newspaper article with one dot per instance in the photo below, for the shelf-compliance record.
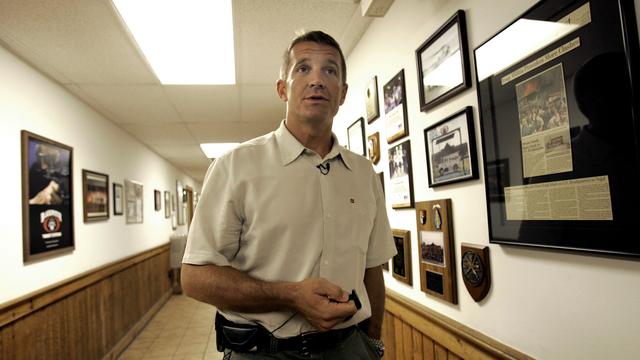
(560, 106)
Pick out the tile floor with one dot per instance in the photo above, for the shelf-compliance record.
(182, 329)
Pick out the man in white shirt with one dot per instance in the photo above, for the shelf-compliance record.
(290, 224)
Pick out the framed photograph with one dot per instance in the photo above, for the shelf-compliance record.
(180, 202)
(395, 108)
(133, 196)
(373, 107)
(117, 199)
(157, 200)
(401, 182)
(95, 196)
(174, 215)
(443, 63)
(47, 198)
(436, 243)
(373, 147)
(167, 205)
(563, 113)
(355, 134)
(451, 149)
(401, 262)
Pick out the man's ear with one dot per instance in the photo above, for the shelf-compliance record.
(281, 88)
(345, 87)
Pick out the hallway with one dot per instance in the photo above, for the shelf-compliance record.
(182, 329)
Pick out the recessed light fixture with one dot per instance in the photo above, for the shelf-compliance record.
(186, 41)
(215, 150)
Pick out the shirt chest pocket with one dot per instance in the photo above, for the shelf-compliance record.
(354, 224)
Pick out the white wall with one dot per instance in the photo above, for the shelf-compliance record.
(550, 305)
(32, 102)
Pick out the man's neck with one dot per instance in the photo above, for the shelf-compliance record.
(316, 138)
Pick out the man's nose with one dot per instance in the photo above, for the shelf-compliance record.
(316, 80)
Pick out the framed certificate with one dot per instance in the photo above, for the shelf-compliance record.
(401, 180)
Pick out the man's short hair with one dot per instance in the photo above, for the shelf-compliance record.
(318, 37)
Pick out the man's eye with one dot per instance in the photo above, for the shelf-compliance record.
(303, 69)
(331, 71)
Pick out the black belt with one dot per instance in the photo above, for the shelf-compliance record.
(254, 337)
(310, 343)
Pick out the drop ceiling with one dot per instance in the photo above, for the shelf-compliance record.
(83, 45)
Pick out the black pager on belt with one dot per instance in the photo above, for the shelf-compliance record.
(353, 296)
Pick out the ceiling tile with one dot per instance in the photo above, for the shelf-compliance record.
(230, 131)
(134, 104)
(205, 103)
(161, 134)
(81, 39)
(261, 104)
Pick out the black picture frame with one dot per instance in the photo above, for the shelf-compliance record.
(372, 103)
(444, 57)
(95, 196)
(557, 86)
(118, 199)
(157, 200)
(47, 197)
(451, 149)
(355, 136)
(400, 176)
(395, 108)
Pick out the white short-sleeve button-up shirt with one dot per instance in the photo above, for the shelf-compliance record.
(266, 209)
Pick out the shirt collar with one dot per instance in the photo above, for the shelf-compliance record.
(291, 148)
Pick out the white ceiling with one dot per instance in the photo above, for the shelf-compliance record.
(83, 45)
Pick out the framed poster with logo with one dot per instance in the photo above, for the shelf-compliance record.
(47, 198)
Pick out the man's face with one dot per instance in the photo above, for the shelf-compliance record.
(313, 89)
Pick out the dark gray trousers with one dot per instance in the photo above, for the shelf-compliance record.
(354, 347)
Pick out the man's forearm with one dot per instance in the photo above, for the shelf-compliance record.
(374, 282)
(230, 289)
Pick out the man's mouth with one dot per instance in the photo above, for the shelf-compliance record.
(316, 98)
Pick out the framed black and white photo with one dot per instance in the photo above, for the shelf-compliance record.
(563, 112)
(451, 149)
(134, 201)
(355, 134)
(395, 108)
(167, 204)
(117, 199)
(95, 196)
(443, 63)
(157, 200)
(401, 180)
(373, 106)
(47, 197)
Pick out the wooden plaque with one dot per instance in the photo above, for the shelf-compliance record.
(476, 272)
(436, 244)
(401, 262)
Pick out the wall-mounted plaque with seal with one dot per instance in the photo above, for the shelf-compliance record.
(563, 112)
(437, 258)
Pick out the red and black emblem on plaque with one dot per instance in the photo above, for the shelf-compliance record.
(51, 221)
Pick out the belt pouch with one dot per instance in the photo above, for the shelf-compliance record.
(236, 337)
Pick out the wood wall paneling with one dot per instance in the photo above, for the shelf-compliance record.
(89, 316)
(412, 331)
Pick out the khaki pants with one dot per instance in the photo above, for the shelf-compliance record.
(354, 347)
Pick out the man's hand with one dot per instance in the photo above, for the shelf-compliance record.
(322, 303)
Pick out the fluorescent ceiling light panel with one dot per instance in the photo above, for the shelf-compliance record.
(521, 39)
(215, 150)
(184, 41)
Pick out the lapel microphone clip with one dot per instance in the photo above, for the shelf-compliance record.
(324, 168)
